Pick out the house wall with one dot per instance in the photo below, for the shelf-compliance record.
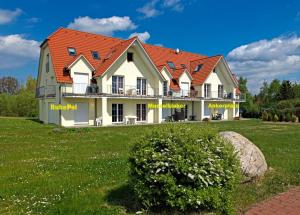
(129, 108)
(81, 66)
(184, 78)
(131, 71)
(67, 116)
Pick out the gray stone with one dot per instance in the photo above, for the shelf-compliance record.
(252, 160)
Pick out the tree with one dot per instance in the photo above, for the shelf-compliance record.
(248, 108)
(274, 90)
(286, 91)
(9, 85)
(31, 84)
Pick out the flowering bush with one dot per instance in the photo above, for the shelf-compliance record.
(184, 167)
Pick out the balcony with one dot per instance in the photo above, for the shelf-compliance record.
(215, 95)
(80, 90)
(46, 91)
(84, 90)
(132, 91)
(183, 94)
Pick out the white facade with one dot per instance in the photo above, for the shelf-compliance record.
(125, 91)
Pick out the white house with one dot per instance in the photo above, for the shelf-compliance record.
(87, 79)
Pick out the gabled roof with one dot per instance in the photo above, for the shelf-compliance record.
(113, 55)
(208, 64)
(110, 49)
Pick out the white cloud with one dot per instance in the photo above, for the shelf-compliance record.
(174, 4)
(16, 51)
(156, 7)
(7, 16)
(105, 26)
(149, 9)
(266, 59)
(142, 36)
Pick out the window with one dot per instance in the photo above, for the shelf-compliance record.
(183, 66)
(220, 91)
(165, 87)
(72, 51)
(215, 71)
(141, 112)
(118, 84)
(141, 86)
(129, 56)
(171, 64)
(95, 55)
(207, 90)
(47, 63)
(198, 67)
(117, 113)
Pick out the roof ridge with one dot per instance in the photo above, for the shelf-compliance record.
(206, 58)
(84, 32)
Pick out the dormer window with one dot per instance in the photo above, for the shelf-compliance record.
(171, 64)
(198, 67)
(72, 51)
(129, 56)
(95, 55)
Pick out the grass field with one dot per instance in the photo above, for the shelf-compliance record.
(46, 170)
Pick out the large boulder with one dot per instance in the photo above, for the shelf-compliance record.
(252, 160)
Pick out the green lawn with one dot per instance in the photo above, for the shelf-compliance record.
(50, 170)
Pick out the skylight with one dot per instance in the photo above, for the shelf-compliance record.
(198, 67)
(95, 55)
(171, 65)
(72, 51)
(183, 66)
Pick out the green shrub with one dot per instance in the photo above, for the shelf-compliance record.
(288, 117)
(275, 118)
(294, 118)
(183, 168)
(264, 116)
(270, 117)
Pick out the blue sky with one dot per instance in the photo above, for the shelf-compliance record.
(259, 38)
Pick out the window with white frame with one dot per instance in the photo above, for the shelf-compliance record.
(117, 113)
(117, 84)
(141, 112)
(220, 91)
(141, 86)
(207, 90)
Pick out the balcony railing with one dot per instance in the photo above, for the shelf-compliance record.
(127, 90)
(132, 90)
(183, 94)
(223, 95)
(46, 91)
(80, 89)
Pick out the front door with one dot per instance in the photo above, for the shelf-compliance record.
(80, 83)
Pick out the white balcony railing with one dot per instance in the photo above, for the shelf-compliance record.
(131, 90)
(46, 91)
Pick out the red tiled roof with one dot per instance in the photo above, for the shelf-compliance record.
(208, 64)
(84, 43)
(110, 49)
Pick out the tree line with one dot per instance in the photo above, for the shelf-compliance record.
(275, 101)
(17, 99)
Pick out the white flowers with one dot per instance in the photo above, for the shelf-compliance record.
(191, 176)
